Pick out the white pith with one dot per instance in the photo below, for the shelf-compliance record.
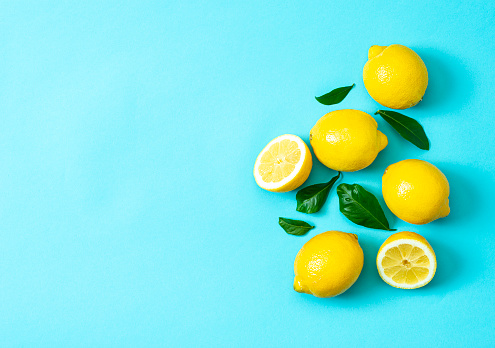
(414, 243)
(274, 185)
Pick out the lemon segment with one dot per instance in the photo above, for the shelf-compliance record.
(406, 260)
(284, 164)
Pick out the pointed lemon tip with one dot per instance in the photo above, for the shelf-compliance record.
(383, 140)
(299, 285)
(445, 209)
(375, 50)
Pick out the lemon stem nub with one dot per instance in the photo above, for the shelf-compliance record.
(445, 210)
(375, 50)
(383, 140)
(299, 285)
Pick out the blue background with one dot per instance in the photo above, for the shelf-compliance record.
(128, 211)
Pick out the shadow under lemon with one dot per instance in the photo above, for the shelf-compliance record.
(365, 289)
(369, 279)
(465, 196)
(458, 260)
(454, 237)
(450, 85)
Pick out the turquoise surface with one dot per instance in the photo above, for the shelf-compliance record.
(129, 215)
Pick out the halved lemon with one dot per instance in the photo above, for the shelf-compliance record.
(406, 260)
(283, 165)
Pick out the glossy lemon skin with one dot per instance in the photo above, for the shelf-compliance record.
(416, 191)
(407, 235)
(347, 140)
(395, 76)
(328, 264)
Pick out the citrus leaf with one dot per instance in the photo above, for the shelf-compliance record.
(361, 207)
(294, 227)
(335, 96)
(312, 198)
(407, 127)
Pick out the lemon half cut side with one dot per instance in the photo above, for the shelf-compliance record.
(406, 260)
(284, 164)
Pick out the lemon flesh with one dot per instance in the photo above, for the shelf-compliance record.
(395, 76)
(406, 260)
(328, 264)
(283, 165)
(347, 140)
(416, 191)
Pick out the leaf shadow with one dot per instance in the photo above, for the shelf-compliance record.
(397, 149)
(319, 174)
(459, 262)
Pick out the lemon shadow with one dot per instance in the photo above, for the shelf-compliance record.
(465, 198)
(368, 279)
(364, 290)
(450, 85)
(458, 260)
(452, 271)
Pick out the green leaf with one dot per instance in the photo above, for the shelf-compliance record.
(312, 198)
(294, 227)
(408, 128)
(361, 207)
(335, 96)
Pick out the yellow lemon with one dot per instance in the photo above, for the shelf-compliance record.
(328, 264)
(416, 191)
(347, 140)
(406, 260)
(283, 165)
(395, 76)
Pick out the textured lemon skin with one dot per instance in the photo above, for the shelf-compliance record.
(347, 140)
(300, 177)
(416, 191)
(407, 235)
(395, 76)
(328, 264)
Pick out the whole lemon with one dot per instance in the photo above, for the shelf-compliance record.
(328, 264)
(395, 76)
(347, 140)
(416, 191)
